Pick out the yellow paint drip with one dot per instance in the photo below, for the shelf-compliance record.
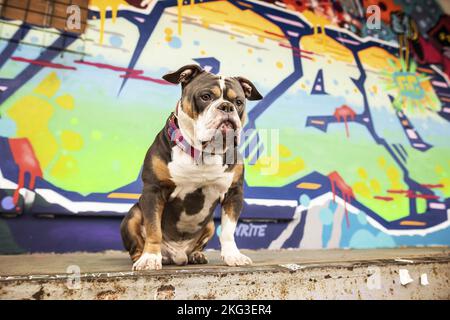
(317, 21)
(180, 14)
(102, 6)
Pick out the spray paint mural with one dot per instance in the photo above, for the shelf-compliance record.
(362, 158)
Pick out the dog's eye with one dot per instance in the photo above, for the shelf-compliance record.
(239, 103)
(206, 97)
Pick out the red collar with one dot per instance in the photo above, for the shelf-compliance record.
(176, 136)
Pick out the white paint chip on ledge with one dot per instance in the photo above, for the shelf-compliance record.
(292, 266)
(404, 260)
(405, 278)
(424, 279)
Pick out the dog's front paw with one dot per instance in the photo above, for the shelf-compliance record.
(148, 261)
(236, 259)
(198, 257)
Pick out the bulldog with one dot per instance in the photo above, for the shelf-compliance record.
(191, 167)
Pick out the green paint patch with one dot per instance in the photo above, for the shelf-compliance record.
(113, 146)
(330, 152)
(422, 167)
(11, 69)
(421, 206)
(112, 155)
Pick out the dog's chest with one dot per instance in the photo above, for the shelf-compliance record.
(198, 186)
(188, 176)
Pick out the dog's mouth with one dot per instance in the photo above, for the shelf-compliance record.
(226, 125)
(226, 129)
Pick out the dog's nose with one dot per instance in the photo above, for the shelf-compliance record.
(226, 107)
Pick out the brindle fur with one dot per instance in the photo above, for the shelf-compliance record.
(153, 220)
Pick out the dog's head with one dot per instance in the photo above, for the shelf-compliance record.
(212, 109)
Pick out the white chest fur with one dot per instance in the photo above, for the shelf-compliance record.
(210, 176)
(189, 176)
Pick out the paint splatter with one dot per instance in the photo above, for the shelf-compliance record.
(344, 113)
(288, 164)
(397, 191)
(346, 191)
(32, 115)
(108, 66)
(432, 186)
(66, 167)
(412, 89)
(129, 73)
(25, 159)
(413, 195)
(43, 63)
(66, 101)
(7, 203)
(71, 141)
(139, 77)
(383, 198)
(96, 135)
(102, 6)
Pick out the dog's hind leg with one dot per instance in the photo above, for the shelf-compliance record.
(131, 231)
(197, 256)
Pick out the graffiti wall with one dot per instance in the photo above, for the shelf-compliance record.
(361, 111)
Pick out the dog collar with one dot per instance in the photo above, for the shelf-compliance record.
(175, 136)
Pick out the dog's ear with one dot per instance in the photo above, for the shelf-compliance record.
(251, 93)
(183, 75)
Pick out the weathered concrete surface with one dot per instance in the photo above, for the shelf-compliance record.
(319, 274)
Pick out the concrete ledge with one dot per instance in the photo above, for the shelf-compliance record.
(286, 274)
